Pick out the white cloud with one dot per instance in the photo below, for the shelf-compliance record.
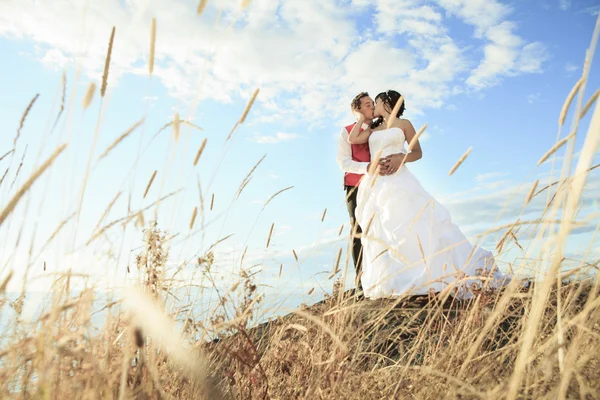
(274, 139)
(281, 230)
(534, 98)
(489, 176)
(564, 4)
(593, 11)
(275, 255)
(532, 56)
(408, 16)
(425, 136)
(308, 58)
(506, 53)
(570, 68)
(54, 58)
(483, 14)
(508, 202)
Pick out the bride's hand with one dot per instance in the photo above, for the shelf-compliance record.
(359, 116)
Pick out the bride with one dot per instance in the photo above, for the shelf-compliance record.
(410, 244)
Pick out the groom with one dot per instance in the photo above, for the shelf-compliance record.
(355, 161)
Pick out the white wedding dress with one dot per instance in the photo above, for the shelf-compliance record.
(411, 246)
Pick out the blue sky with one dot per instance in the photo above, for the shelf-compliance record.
(488, 74)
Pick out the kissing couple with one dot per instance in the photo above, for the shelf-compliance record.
(404, 241)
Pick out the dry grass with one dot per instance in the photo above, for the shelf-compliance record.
(555, 148)
(565, 109)
(149, 185)
(589, 104)
(120, 139)
(394, 114)
(89, 95)
(107, 63)
(246, 3)
(12, 203)
(152, 46)
(270, 234)
(200, 151)
(248, 177)
(6, 154)
(411, 348)
(276, 194)
(62, 100)
(249, 106)
(531, 192)
(4, 175)
(193, 219)
(460, 161)
(201, 7)
(336, 265)
(23, 118)
(414, 347)
(176, 127)
(19, 168)
(530, 342)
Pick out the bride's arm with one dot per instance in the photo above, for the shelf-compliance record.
(392, 163)
(415, 152)
(358, 137)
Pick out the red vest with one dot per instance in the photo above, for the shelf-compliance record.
(360, 153)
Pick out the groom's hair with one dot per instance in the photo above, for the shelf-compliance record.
(356, 100)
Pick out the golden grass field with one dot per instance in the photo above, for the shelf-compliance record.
(539, 341)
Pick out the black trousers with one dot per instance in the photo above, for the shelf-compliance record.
(357, 250)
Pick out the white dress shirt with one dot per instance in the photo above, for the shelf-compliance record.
(344, 155)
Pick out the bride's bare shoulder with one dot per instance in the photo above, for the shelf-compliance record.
(404, 124)
(401, 123)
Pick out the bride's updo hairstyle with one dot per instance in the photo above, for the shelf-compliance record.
(389, 98)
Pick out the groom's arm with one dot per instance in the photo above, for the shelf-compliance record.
(344, 156)
(389, 165)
